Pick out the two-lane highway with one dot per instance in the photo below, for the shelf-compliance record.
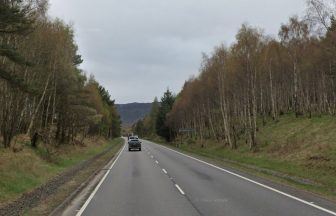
(161, 181)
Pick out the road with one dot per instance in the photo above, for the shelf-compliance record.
(160, 181)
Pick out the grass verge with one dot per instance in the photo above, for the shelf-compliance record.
(299, 152)
(49, 204)
(24, 171)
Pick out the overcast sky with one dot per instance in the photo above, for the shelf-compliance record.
(138, 48)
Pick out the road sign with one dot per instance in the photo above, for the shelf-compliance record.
(185, 130)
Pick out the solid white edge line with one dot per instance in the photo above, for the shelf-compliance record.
(165, 171)
(100, 183)
(178, 187)
(255, 182)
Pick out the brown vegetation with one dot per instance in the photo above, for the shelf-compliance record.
(43, 93)
(259, 78)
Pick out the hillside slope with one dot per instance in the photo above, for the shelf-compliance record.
(132, 112)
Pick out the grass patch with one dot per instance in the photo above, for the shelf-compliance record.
(25, 170)
(49, 204)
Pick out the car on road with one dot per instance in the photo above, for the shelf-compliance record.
(134, 143)
(132, 137)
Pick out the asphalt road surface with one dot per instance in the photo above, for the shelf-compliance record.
(160, 181)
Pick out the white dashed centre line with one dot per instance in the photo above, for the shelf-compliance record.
(178, 187)
(152, 156)
(165, 171)
(157, 162)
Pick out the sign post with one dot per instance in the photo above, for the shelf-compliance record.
(184, 130)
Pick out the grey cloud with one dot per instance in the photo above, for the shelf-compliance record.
(137, 48)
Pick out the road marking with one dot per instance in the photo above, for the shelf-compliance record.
(165, 171)
(255, 182)
(100, 183)
(157, 162)
(152, 156)
(178, 187)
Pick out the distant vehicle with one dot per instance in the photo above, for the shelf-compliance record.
(133, 138)
(134, 143)
(130, 136)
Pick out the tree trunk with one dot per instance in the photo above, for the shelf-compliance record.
(38, 106)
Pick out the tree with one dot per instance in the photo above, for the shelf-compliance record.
(17, 19)
(166, 105)
(320, 13)
(153, 116)
(294, 37)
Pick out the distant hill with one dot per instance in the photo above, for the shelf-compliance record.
(132, 112)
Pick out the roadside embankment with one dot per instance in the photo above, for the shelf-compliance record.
(300, 152)
(29, 177)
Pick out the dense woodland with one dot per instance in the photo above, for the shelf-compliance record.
(43, 93)
(258, 78)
